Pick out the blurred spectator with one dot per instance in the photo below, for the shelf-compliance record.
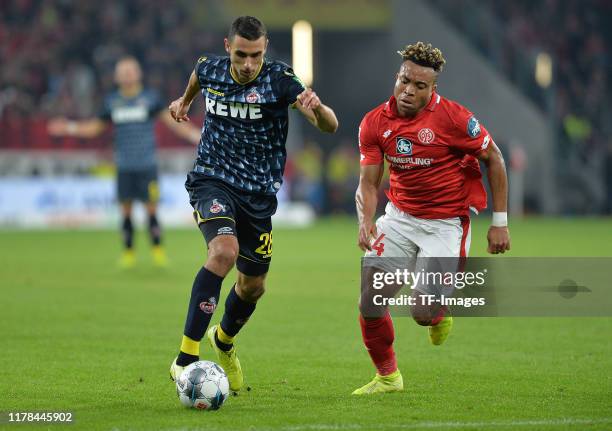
(307, 181)
(57, 56)
(343, 176)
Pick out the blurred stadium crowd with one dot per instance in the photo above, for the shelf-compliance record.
(578, 37)
(57, 58)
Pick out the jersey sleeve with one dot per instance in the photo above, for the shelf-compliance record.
(470, 137)
(290, 85)
(370, 150)
(200, 69)
(157, 104)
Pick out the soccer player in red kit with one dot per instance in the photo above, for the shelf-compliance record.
(432, 146)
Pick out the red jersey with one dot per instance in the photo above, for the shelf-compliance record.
(434, 171)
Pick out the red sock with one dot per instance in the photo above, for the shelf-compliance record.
(378, 336)
(439, 317)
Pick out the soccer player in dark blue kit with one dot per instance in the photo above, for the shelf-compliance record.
(132, 110)
(232, 188)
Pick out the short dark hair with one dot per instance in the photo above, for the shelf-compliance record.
(423, 55)
(248, 27)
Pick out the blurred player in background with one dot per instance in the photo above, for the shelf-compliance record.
(432, 146)
(132, 110)
(233, 186)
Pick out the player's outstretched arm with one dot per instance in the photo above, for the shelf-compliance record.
(319, 115)
(179, 108)
(498, 235)
(80, 129)
(186, 131)
(366, 200)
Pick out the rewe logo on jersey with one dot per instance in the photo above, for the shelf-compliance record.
(130, 114)
(234, 109)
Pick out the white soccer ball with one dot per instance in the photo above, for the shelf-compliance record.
(203, 385)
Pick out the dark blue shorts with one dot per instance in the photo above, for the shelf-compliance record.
(137, 185)
(220, 209)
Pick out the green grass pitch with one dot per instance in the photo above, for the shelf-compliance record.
(80, 335)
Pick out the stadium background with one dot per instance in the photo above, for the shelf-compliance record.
(536, 73)
(57, 59)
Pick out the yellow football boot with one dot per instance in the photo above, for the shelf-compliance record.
(381, 384)
(128, 259)
(175, 370)
(228, 361)
(159, 256)
(439, 333)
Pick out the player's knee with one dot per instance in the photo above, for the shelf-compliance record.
(223, 256)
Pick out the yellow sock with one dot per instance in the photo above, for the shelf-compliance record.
(189, 346)
(223, 337)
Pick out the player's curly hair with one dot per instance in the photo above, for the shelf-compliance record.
(423, 55)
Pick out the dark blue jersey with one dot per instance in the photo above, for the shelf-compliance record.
(245, 129)
(134, 127)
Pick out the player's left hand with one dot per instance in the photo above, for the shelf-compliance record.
(178, 110)
(309, 99)
(499, 239)
(367, 232)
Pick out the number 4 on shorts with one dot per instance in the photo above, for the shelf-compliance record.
(378, 245)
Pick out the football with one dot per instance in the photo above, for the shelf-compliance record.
(203, 385)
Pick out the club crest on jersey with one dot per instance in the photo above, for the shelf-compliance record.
(216, 207)
(473, 127)
(426, 136)
(253, 96)
(209, 306)
(403, 146)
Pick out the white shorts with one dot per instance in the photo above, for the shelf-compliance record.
(416, 240)
(403, 235)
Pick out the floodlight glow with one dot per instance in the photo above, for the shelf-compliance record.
(543, 70)
(302, 51)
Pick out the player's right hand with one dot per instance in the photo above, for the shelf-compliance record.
(178, 110)
(309, 99)
(367, 232)
(498, 239)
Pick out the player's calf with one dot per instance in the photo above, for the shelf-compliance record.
(202, 304)
(222, 255)
(250, 288)
(240, 304)
(378, 336)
